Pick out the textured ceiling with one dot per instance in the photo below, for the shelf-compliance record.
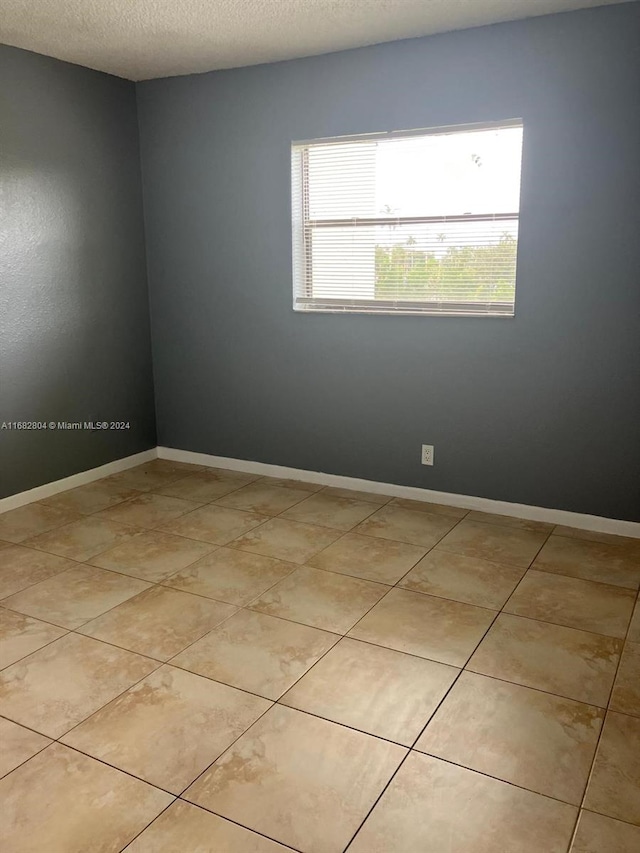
(140, 39)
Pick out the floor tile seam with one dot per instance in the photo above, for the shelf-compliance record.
(365, 642)
(517, 527)
(429, 548)
(157, 490)
(307, 624)
(503, 612)
(281, 516)
(546, 571)
(170, 660)
(534, 568)
(457, 551)
(155, 582)
(248, 607)
(374, 509)
(454, 682)
(267, 513)
(602, 708)
(428, 551)
(326, 571)
(469, 770)
(515, 589)
(42, 532)
(259, 480)
(58, 739)
(245, 826)
(342, 534)
(148, 528)
(3, 716)
(443, 597)
(621, 714)
(563, 625)
(498, 779)
(78, 631)
(636, 606)
(173, 665)
(138, 530)
(144, 528)
(163, 583)
(376, 801)
(211, 543)
(624, 713)
(492, 562)
(50, 642)
(76, 628)
(436, 546)
(45, 501)
(542, 544)
(184, 668)
(607, 711)
(106, 763)
(50, 554)
(150, 493)
(94, 511)
(150, 585)
(226, 749)
(620, 819)
(129, 687)
(388, 500)
(430, 512)
(506, 612)
(369, 609)
(146, 826)
(574, 831)
(510, 565)
(37, 752)
(73, 569)
(622, 545)
(297, 502)
(343, 725)
(353, 528)
(240, 825)
(339, 637)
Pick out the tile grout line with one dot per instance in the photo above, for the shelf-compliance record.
(341, 636)
(607, 710)
(260, 479)
(412, 749)
(183, 473)
(248, 607)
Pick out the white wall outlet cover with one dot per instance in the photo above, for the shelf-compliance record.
(427, 454)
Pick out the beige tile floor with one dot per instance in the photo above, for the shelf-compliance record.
(201, 660)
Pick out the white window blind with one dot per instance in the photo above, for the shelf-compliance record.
(419, 222)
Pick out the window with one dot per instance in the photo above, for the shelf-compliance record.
(419, 222)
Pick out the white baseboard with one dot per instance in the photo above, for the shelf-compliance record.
(532, 513)
(75, 480)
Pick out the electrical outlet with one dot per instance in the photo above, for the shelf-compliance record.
(427, 454)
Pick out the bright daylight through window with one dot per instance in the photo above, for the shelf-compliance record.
(419, 222)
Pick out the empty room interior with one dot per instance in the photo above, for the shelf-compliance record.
(320, 426)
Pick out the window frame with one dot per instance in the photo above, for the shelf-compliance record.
(303, 300)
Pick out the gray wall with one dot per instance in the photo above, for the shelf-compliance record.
(75, 341)
(542, 409)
